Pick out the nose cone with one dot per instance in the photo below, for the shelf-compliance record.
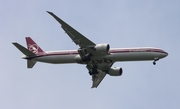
(164, 54)
(160, 53)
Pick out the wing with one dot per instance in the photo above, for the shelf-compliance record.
(76, 37)
(86, 44)
(97, 78)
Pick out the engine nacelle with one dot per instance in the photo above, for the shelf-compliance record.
(102, 48)
(116, 71)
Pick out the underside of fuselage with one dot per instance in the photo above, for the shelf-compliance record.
(110, 58)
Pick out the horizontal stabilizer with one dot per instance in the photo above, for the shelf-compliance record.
(30, 63)
(23, 49)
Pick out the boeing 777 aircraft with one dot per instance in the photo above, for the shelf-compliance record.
(98, 58)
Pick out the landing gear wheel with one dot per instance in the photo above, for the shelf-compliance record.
(90, 73)
(86, 59)
(155, 59)
(93, 71)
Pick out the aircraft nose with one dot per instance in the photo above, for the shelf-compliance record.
(165, 54)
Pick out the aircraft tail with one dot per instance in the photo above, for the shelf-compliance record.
(33, 50)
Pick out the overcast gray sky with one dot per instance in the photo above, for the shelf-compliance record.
(121, 23)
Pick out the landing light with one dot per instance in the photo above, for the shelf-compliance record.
(23, 57)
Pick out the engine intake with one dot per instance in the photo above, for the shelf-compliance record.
(102, 48)
(116, 71)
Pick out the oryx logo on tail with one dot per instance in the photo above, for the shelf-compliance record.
(33, 47)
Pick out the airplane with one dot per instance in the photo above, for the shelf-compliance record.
(98, 58)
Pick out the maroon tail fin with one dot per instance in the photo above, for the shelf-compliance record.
(33, 47)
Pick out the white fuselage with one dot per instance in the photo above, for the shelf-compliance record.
(114, 55)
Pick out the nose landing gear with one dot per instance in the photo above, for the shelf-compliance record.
(155, 59)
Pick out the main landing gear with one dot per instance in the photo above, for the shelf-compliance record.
(92, 69)
(85, 57)
(155, 59)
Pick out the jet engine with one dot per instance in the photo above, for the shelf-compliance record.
(115, 71)
(102, 48)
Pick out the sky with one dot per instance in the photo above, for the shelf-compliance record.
(120, 23)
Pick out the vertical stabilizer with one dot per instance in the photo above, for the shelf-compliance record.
(33, 47)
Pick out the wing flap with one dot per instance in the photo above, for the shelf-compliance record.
(97, 78)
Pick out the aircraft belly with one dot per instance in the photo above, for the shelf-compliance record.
(134, 56)
(114, 57)
(57, 59)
